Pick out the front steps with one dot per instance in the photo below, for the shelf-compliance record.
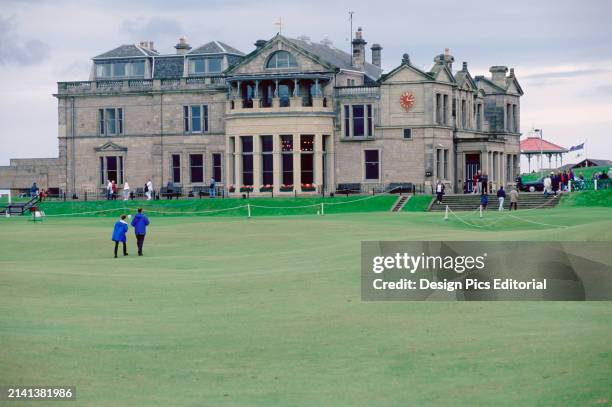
(399, 204)
(470, 202)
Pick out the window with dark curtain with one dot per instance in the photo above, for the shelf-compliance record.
(358, 116)
(247, 160)
(217, 166)
(196, 165)
(347, 121)
(287, 159)
(372, 165)
(176, 168)
(267, 160)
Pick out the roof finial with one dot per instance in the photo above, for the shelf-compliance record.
(405, 59)
(446, 51)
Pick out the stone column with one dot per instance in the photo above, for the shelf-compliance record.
(229, 171)
(238, 162)
(297, 164)
(318, 160)
(257, 173)
(276, 163)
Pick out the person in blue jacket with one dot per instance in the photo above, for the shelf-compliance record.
(121, 228)
(140, 223)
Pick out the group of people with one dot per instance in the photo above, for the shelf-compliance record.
(480, 183)
(501, 198)
(111, 190)
(139, 223)
(36, 192)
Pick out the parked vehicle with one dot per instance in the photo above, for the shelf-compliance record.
(532, 186)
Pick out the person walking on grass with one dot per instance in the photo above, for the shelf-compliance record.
(514, 199)
(484, 201)
(501, 197)
(119, 232)
(140, 223)
(439, 191)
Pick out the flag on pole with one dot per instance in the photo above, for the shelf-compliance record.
(577, 147)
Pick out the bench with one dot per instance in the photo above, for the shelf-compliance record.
(400, 187)
(170, 192)
(348, 188)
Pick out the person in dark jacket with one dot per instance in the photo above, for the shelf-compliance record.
(484, 201)
(501, 197)
(121, 228)
(140, 223)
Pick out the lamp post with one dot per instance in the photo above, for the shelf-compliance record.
(541, 152)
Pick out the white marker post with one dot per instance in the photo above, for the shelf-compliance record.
(595, 184)
(322, 210)
(248, 210)
(480, 211)
(569, 186)
(446, 213)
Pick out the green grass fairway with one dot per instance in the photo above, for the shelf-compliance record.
(230, 311)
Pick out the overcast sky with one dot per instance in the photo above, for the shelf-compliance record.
(561, 50)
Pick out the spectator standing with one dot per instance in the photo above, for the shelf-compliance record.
(33, 190)
(109, 190)
(149, 189)
(140, 223)
(484, 180)
(212, 187)
(501, 197)
(119, 232)
(439, 191)
(476, 182)
(514, 194)
(126, 191)
(114, 190)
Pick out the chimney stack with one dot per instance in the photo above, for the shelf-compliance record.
(182, 47)
(464, 66)
(359, 50)
(445, 59)
(377, 55)
(498, 74)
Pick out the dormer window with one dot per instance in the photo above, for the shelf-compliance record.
(120, 69)
(281, 59)
(202, 66)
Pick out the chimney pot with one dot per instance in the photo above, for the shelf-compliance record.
(376, 55)
(182, 47)
(465, 66)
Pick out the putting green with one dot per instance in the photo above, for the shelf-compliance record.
(267, 312)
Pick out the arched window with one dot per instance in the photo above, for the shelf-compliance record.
(281, 59)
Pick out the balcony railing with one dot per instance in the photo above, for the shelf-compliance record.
(357, 91)
(135, 85)
(307, 104)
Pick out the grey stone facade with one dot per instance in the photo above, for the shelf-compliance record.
(213, 111)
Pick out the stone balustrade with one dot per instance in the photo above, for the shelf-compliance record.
(139, 85)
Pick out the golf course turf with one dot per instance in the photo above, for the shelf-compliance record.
(266, 311)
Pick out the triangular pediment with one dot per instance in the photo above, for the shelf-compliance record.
(110, 146)
(444, 75)
(513, 86)
(405, 73)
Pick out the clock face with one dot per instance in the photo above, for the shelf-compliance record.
(407, 100)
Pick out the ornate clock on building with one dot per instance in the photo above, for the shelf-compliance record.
(407, 100)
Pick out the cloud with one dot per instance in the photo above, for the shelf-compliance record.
(15, 50)
(566, 74)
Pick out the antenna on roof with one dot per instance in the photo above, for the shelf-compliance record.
(351, 41)
(279, 23)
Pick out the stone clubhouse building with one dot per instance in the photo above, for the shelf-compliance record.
(292, 116)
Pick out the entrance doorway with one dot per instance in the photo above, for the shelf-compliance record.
(472, 165)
